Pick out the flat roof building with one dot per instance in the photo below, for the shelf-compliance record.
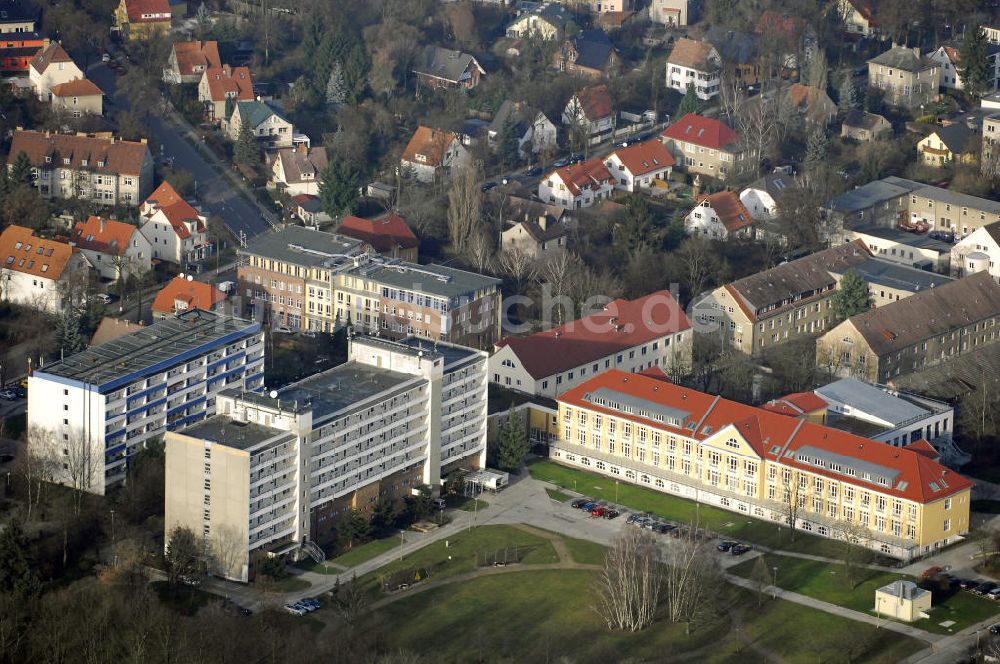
(273, 472)
(93, 410)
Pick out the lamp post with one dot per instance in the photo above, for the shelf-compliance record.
(114, 546)
(401, 540)
(775, 595)
(616, 491)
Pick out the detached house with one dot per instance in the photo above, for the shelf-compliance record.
(590, 112)
(906, 78)
(949, 58)
(221, 87)
(184, 293)
(444, 68)
(52, 66)
(589, 53)
(705, 146)
(640, 165)
(955, 143)
(77, 98)
(738, 51)
(174, 228)
(38, 273)
(864, 126)
(298, 170)
(139, 19)
(432, 151)
(578, 185)
(857, 16)
(268, 125)
(547, 21)
(113, 247)
(978, 252)
(104, 170)
(719, 217)
(813, 104)
(534, 131)
(535, 229)
(694, 63)
(672, 13)
(189, 60)
(991, 141)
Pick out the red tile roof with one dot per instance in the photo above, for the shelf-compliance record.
(578, 177)
(137, 9)
(774, 24)
(194, 294)
(865, 8)
(22, 251)
(621, 325)
(796, 404)
(642, 158)
(383, 234)
(706, 132)
(81, 87)
(729, 208)
(104, 235)
(778, 438)
(191, 54)
(431, 143)
(923, 447)
(595, 102)
(229, 82)
(177, 210)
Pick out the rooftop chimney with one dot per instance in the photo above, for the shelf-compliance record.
(543, 222)
(100, 222)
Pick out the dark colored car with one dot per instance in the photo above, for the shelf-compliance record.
(740, 549)
(967, 584)
(575, 158)
(663, 528)
(580, 502)
(943, 236)
(632, 518)
(726, 545)
(559, 163)
(995, 629)
(488, 185)
(611, 514)
(984, 588)
(534, 170)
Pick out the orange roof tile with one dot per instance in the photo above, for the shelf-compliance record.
(22, 251)
(798, 403)
(646, 157)
(81, 87)
(194, 294)
(595, 102)
(621, 325)
(431, 143)
(227, 82)
(103, 235)
(140, 11)
(177, 210)
(383, 233)
(800, 444)
(578, 177)
(729, 208)
(706, 132)
(191, 54)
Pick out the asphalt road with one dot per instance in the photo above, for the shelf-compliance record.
(217, 195)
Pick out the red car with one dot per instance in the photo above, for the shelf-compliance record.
(931, 572)
(598, 511)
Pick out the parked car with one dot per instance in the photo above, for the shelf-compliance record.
(598, 511)
(726, 545)
(611, 514)
(579, 502)
(740, 549)
(190, 581)
(984, 588)
(943, 236)
(311, 601)
(663, 528)
(967, 584)
(245, 611)
(8, 395)
(295, 609)
(993, 594)
(308, 334)
(995, 629)
(283, 329)
(533, 171)
(106, 57)
(560, 163)
(103, 297)
(575, 158)
(931, 572)
(488, 185)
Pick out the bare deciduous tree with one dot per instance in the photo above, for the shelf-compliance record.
(83, 466)
(479, 250)
(761, 579)
(854, 537)
(790, 500)
(696, 258)
(351, 600)
(35, 465)
(754, 119)
(518, 266)
(465, 206)
(628, 587)
(692, 577)
(228, 550)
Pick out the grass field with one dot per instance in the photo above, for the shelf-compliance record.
(365, 552)
(542, 615)
(729, 524)
(459, 554)
(828, 582)
(558, 496)
(466, 504)
(585, 552)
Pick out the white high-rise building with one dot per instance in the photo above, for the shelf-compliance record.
(91, 411)
(273, 472)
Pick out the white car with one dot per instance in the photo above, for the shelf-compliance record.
(106, 57)
(103, 297)
(295, 609)
(283, 329)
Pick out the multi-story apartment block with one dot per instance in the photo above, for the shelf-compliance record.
(92, 411)
(274, 473)
(991, 137)
(706, 146)
(772, 307)
(757, 463)
(892, 200)
(925, 329)
(889, 281)
(631, 335)
(102, 170)
(895, 245)
(906, 78)
(311, 280)
(697, 64)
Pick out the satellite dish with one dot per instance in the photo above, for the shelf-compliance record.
(274, 394)
(190, 278)
(181, 275)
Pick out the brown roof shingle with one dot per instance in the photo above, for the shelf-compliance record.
(431, 143)
(52, 54)
(693, 54)
(302, 161)
(227, 82)
(191, 54)
(106, 155)
(646, 157)
(729, 208)
(81, 87)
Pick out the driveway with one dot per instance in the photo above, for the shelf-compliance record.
(169, 139)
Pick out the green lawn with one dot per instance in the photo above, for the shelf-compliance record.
(543, 615)
(729, 524)
(584, 551)
(463, 550)
(466, 504)
(558, 496)
(289, 584)
(828, 582)
(365, 552)
(183, 599)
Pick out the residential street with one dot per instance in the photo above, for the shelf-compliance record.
(215, 192)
